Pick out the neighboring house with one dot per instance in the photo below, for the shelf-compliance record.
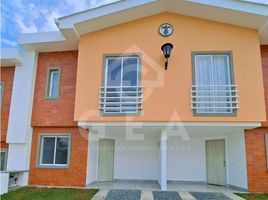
(93, 101)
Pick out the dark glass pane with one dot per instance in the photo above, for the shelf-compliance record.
(3, 159)
(62, 150)
(113, 72)
(48, 150)
(130, 71)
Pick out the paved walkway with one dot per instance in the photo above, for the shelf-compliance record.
(154, 186)
(115, 194)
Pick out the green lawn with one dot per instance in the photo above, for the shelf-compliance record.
(253, 196)
(35, 193)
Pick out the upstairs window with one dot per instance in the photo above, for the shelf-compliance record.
(121, 91)
(54, 150)
(1, 92)
(213, 91)
(53, 81)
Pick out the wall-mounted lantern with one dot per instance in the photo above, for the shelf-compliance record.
(166, 48)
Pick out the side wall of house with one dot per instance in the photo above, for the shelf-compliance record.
(55, 117)
(257, 166)
(256, 160)
(7, 77)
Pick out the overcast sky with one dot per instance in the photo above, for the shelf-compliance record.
(27, 16)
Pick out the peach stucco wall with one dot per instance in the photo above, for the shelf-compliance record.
(167, 93)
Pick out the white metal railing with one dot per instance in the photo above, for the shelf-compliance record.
(120, 99)
(214, 99)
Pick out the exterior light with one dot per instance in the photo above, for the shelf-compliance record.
(166, 48)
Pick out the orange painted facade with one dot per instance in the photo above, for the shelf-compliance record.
(7, 76)
(171, 87)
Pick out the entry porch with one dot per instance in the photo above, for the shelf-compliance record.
(167, 156)
(180, 186)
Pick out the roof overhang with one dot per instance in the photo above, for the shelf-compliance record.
(235, 12)
(171, 127)
(11, 57)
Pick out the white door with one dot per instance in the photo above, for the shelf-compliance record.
(215, 153)
(106, 160)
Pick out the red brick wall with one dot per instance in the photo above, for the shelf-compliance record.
(75, 175)
(55, 112)
(256, 160)
(56, 116)
(255, 142)
(7, 76)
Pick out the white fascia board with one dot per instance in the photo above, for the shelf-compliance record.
(167, 124)
(238, 5)
(70, 20)
(91, 14)
(63, 40)
(263, 32)
(11, 57)
(40, 37)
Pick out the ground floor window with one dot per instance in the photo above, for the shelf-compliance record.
(54, 150)
(3, 153)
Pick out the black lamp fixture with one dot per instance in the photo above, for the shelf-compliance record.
(166, 48)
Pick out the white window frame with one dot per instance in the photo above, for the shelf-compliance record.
(5, 150)
(49, 82)
(227, 55)
(52, 74)
(55, 149)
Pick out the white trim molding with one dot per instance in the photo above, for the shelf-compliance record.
(11, 57)
(247, 125)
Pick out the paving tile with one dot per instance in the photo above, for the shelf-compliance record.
(123, 195)
(147, 195)
(233, 196)
(209, 196)
(100, 195)
(186, 196)
(166, 195)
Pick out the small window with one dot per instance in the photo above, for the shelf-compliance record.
(3, 153)
(54, 150)
(266, 146)
(1, 92)
(53, 80)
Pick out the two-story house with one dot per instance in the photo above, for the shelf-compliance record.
(164, 91)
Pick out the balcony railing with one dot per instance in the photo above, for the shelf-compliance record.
(214, 99)
(120, 99)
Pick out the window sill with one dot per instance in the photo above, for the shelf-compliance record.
(51, 98)
(119, 114)
(53, 166)
(234, 114)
